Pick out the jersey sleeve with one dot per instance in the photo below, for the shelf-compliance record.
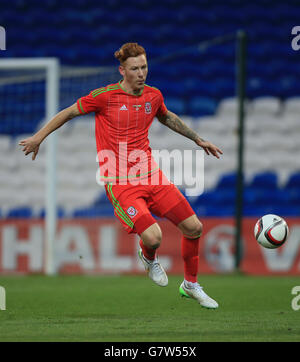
(93, 102)
(162, 109)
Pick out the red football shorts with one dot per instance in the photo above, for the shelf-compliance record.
(135, 204)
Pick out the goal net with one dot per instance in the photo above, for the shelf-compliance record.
(63, 176)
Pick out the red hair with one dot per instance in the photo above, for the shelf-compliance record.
(128, 50)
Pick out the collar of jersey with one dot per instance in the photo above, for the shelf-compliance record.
(134, 95)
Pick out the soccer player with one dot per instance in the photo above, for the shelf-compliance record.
(135, 185)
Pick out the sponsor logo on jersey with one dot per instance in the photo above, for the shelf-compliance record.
(136, 106)
(123, 108)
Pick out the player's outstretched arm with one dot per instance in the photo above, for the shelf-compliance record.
(176, 124)
(32, 144)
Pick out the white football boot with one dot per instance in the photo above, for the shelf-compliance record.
(155, 270)
(195, 291)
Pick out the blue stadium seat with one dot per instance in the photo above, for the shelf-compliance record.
(262, 201)
(225, 198)
(216, 203)
(201, 106)
(196, 87)
(258, 86)
(288, 211)
(265, 180)
(206, 198)
(101, 200)
(214, 211)
(293, 182)
(293, 196)
(156, 71)
(172, 89)
(176, 105)
(227, 181)
(81, 33)
(256, 211)
(61, 213)
(93, 212)
(20, 212)
(223, 86)
(270, 197)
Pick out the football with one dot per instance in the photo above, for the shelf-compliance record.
(271, 231)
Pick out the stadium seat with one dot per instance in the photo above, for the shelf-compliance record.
(101, 200)
(288, 86)
(206, 198)
(20, 212)
(213, 211)
(200, 106)
(292, 105)
(293, 182)
(229, 107)
(157, 128)
(293, 196)
(227, 181)
(213, 125)
(93, 212)
(222, 86)
(226, 197)
(262, 106)
(270, 198)
(5, 143)
(176, 105)
(266, 181)
(60, 213)
(255, 211)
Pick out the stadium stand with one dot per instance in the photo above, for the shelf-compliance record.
(199, 87)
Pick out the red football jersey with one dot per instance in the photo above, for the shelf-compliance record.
(122, 124)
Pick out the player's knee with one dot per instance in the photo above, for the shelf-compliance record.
(153, 240)
(199, 228)
(193, 229)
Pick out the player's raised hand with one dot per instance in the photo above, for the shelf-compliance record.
(31, 145)
(209, 148)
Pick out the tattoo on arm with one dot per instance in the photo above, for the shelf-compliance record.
(172, 121)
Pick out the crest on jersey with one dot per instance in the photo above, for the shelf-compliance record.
(131, 211)
(148, 108)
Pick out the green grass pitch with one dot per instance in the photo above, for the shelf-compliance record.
(133, 309)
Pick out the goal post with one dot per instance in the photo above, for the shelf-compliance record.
(51, 67)
(241, 48)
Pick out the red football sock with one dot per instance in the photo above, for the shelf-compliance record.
(149, 253)
(189, 252)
